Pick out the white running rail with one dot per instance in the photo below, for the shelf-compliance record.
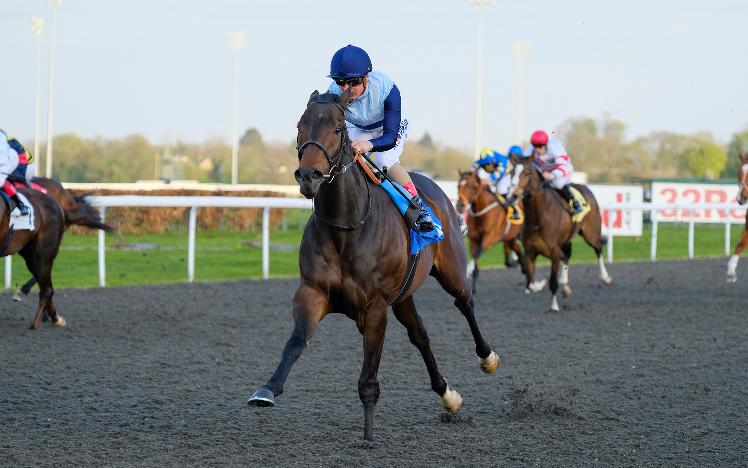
(195, 202)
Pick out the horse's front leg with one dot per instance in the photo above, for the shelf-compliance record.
(309, 307)
(372, 328)
(532, 286)
(553, 283)
(476, 249)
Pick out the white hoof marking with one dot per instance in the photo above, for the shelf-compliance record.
(554, 304)
(60, 321)
(451, 400)
(490, 363)
(537, 286)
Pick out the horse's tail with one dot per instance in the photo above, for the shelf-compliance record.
(83, 214)
(77, 210)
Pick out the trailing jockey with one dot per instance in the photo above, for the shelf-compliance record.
(497, 168)
(9, 161)
(554, 163)
(374, 118)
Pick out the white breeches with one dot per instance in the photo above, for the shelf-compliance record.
(385, 158)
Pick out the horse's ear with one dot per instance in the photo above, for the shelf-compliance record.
(345, 97)
(313, 97)
(743, 157)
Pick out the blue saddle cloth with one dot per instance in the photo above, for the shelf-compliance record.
(418, 239)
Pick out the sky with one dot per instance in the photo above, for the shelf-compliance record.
(162, 68)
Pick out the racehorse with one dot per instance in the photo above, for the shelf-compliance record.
(549, 229)
(354, 259)
(742, 198)
(77, 212)
(487, 222)
(38, 248)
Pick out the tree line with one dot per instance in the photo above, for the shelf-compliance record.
(598, 147)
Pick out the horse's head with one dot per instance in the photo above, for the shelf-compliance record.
(743, 179)
(525, 178)
(468, 189)
(322, 141)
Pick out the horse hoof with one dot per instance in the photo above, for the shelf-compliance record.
(18, 296)
(490, 363)
(607, 280)
(511, 264)
(60, 321)
(262, 397)
(537, 286)
(451, 400)
(566, 291)
(732, 278)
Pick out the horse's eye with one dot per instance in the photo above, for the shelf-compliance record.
(338, 130)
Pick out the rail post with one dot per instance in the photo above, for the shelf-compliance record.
(102, 261)
(191, 244)
(653, 246)
(728, 228)
(266, 242)
(690, 235)
(8, 270)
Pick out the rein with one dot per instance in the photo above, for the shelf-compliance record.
(337, 169)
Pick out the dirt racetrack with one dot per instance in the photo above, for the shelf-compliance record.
(651, 371)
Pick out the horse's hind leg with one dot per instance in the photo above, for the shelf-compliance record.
(451, 282)
(40, 266)
(309, 307)
(732, 263)
(509, 262)
(593, 237)
(21, 294)
(406, 313)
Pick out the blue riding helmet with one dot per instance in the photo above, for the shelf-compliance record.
(350, 62)
(515, 150)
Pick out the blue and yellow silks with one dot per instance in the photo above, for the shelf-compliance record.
(418, 239)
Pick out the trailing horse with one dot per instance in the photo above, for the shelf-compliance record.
(742, 198)
(77, 212)
(549, 229)
(38, 248)
(354, 259)
(487, 222)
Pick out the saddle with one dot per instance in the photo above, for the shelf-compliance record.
(582, 202)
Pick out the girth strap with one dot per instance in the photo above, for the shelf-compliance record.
(408, 279)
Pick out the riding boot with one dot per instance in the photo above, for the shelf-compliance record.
(22, 208)
(515, 210)
(424, 222)
(569, 197)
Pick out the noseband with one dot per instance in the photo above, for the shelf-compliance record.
(335, 168)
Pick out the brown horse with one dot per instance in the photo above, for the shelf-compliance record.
(549, 229)
(354, 259)
(38, 248)
(742, 198)
(77, 212)
(487, 222)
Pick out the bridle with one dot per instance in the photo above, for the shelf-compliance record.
(343, 151)
(485, 210)
(336, 168)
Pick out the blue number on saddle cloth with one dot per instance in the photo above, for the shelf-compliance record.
(418, 239)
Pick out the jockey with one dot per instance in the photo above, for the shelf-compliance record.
(374, 117)
(493, 166)
(25, 170)
(551, 158)
(8, 163)
(516, 151)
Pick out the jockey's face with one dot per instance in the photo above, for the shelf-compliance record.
(356, 90)
(540, 150)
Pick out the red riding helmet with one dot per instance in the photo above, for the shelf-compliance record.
(539, 137)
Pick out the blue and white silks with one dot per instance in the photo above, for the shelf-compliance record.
(418, 239)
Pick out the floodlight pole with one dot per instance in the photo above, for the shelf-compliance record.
(50, 92)
(235, 41)
(37, 25)
(519, 50)
(479, 6)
